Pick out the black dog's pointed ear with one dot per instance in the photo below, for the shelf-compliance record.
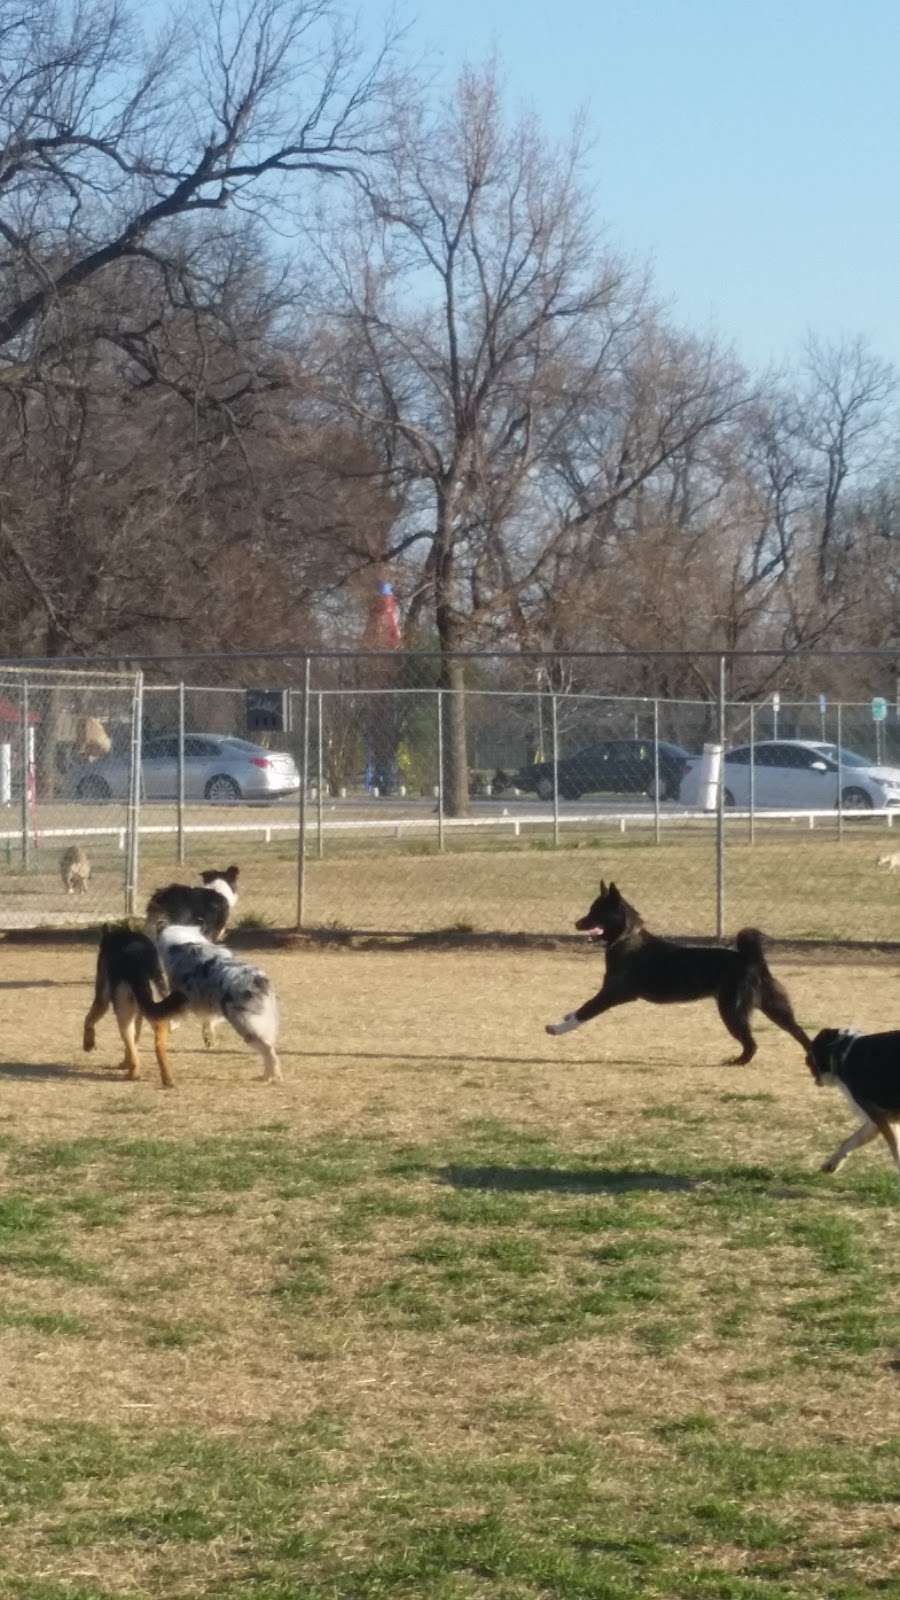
(602, 887)
(613, 891)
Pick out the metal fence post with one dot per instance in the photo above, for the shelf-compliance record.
(752, 772)
(840, 775)
(440, 757)
(24, 727)
(181, 772)
(554, 723)
(720, 811)
(656, 796)
(320, 819)
(301, 812)
(132, 857)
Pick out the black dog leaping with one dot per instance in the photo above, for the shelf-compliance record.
(641, 966)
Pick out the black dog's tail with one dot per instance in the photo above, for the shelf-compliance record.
(157, 1010)
(771, 997)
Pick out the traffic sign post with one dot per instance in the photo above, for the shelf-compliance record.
(879, 717)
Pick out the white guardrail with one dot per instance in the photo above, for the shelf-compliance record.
(396, 827)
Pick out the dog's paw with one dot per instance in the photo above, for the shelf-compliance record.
(569, 1022)
(829, 1166)
(90, 1039)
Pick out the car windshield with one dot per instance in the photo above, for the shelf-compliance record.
(848, 758)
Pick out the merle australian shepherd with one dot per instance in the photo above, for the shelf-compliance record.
(208, 908)
(866, 1066)
(128, 967)
(641, 966)
(218, 985)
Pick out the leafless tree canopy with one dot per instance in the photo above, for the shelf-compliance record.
(275, 317)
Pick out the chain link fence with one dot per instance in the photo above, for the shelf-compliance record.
(356, 793)
(64, 857)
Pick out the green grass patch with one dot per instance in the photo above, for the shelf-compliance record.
(541, 1374)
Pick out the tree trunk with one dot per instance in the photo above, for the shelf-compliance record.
(456, 765)
(453, 674)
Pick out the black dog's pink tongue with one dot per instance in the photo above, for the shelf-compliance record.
(593, 933)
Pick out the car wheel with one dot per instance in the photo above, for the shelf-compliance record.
(854, 799)
(222, 790)
(544, 789)
(93, 788)
(666, 791)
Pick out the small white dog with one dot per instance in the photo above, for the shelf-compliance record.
(891, 861)
(217, 984)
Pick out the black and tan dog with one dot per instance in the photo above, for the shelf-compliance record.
(128, 966)
(866, 1066)
(641, 966)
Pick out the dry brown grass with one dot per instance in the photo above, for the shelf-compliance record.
(440, 1053)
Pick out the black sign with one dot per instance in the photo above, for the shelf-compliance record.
(268, 711)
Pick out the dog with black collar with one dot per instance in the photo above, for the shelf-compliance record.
(866, 1068)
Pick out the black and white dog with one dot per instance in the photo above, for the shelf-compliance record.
(866, 1067)
(217, 985)
(208, 908)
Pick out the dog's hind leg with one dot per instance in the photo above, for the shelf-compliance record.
(863, 1135)
(889, 1134)
(160, 1040)
(733, 1009)
(271, 1072)
(128, 1016)
(775, 1004)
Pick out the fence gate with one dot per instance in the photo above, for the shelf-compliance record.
(69, 795)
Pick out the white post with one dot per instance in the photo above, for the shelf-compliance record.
(710, 775)
(5, 774)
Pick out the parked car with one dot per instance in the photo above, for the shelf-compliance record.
(802, 773)
(217, 768)
(614, 766)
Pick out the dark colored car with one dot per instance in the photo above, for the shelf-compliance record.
(616, 766)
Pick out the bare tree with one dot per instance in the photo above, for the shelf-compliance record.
(105, 144)
(475, 312)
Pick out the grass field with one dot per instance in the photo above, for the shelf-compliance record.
(458, 1311)
(794, 883)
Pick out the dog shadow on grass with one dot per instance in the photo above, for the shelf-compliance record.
(579, 1180)
(51, 1071)
(460, 1059)
(43, 983)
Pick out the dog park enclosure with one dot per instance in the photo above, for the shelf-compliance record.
(373, 837)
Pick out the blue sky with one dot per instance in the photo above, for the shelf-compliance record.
(749, 148)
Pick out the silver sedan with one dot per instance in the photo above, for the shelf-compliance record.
(217, 768)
